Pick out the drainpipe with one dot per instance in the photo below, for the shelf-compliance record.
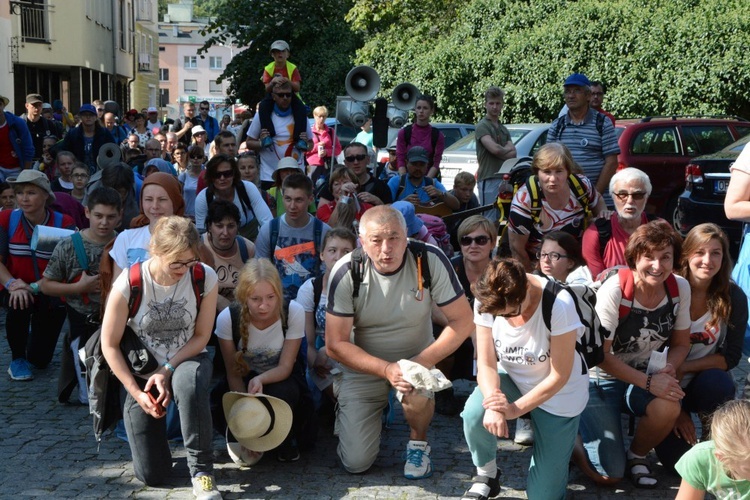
(135, 56)
(114, 51)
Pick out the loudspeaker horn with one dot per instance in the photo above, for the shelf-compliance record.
(362, 83)
(397, 117)
(405, 96)
(351, 113)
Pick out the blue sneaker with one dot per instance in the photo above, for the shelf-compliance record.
(266, 142)
(20, 369)
(418, 464)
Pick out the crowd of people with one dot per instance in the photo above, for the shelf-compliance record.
(325, 293)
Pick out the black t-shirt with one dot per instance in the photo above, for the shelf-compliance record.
(373, 186)
(39, 130)
(186, 139)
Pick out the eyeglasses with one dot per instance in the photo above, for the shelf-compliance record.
(204, 109)
(80, 176)
(637, 196)
(597, 94)
(479, 240)
(100, 109)
(177, 265)
(553, 256)
(283, 95)
(353, 158)
(513, 314)
(225, 174)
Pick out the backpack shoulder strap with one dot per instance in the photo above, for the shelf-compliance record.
(57, 219)
(575, 183)
(429, 181)
(604, 230)
(15, 219)
(419, 251)
(357, 269)
(317, 242)
(274, 237)
(198, 280)
(627, 287)
(673, 290)
(244, 254)
(401, 186)
(549, 293)
(80, 250)
(434, 140)
(234, 315)
(317, 293)
(407, 134)
(600, 123)
(557, 130)
(535, 198)
(135, 279)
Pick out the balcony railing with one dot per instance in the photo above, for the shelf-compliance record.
(34, 19)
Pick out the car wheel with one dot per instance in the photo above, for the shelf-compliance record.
(672, 214)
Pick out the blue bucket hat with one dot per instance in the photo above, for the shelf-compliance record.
(413, 223)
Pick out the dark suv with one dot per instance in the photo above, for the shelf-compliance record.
(662, 147)
(707, 178)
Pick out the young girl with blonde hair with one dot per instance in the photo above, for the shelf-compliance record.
(720, 466)
(263, 360)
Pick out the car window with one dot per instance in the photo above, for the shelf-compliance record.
(541, 141)
(706, 139)
(655, 141)
(467, 143)
(451, 135)
(516, 134)
(742, 131)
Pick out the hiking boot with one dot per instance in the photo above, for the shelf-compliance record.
(446, 403)
(20, 369)
(524, 432)
(483, 487)
(266, 142)
(204, 487)
(418, 464)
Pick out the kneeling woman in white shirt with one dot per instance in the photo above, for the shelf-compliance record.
(540, 373)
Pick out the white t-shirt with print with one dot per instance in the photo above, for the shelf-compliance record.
(131, 246)
(524, 352)
(264, 346)
(165, 321)
(306, 298)
(704, 341)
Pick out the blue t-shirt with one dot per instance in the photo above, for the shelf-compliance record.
(409, 188)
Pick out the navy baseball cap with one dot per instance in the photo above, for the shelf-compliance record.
(577, 79)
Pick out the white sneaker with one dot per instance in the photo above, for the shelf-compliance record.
(524, 432)
(204, 488)
(418, 464)
(241, 455)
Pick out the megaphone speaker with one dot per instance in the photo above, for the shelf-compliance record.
(380, 124)
(352, 114)
(362, 83)
(396, 117)
(405, 96)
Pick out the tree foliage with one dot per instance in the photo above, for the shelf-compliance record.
(322, 44)
(679, 57)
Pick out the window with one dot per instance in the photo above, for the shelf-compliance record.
(706, 139)
(191, 86)
(215, 62)
(656, 141)
(164, 74)
(214, 87)
(191, 62)
(163, 97)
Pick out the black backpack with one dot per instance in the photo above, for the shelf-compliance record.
(604, 228)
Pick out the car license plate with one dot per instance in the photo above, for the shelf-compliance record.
(720, 186)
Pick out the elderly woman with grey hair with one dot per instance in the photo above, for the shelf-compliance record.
(604, 241)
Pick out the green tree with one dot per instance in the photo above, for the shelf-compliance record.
(322, 44)
(679, 57)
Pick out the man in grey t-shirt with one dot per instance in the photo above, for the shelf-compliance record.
(388, 321)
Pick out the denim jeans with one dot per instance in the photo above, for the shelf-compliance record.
(706, 392)
(553, 443)
(147, 436)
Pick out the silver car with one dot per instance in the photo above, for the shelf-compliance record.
(462, 155)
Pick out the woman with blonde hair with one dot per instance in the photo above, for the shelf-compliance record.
(721, 466)
(561, 207)
(260, 347)
(718, 315)
(175, 328)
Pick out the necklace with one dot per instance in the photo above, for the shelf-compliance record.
(153, 289)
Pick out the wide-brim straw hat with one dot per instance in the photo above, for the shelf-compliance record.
(259, 422)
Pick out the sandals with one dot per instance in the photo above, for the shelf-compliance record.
(637, 476)
(483, 487)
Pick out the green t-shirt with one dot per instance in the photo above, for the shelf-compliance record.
(703, 471)
(489, 163)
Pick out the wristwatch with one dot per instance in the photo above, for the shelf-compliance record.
(34, 288)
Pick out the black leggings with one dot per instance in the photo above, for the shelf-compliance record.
(46, 317)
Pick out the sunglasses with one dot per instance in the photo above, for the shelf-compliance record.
(479, 240)
(204, 109)
(354, 158)
(283, 95)
(517, 312)
(225, 174)
(637, 196)
(196, 157)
